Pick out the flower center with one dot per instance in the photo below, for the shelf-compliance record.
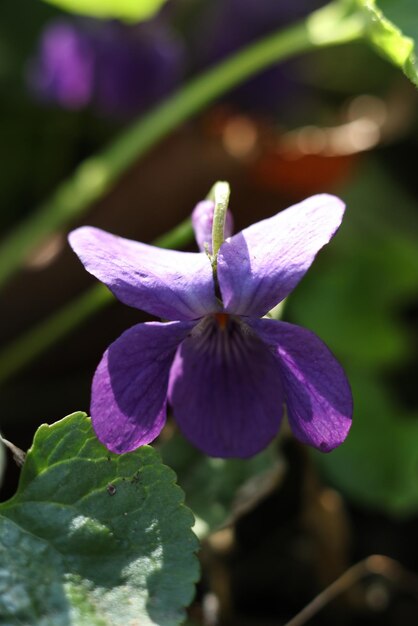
(225, 341)
(222, 319)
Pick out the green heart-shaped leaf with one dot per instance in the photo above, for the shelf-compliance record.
(93, 538)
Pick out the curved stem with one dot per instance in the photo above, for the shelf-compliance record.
(332, 25)
(220, 195)
(377, 564)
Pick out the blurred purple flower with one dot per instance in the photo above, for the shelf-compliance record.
(63, 70)
(119, 70)
(225, 370)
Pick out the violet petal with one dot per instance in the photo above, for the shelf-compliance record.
(166, 283)
(225, 389)
(129, 393)
(260, 266)
(318, 395)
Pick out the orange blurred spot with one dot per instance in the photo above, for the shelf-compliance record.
(304, 174)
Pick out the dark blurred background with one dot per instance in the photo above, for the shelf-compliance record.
(341, 121)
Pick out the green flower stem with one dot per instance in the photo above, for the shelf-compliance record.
(334, 24)
(24, 349)
(219, 193)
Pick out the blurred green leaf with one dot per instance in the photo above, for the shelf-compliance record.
(392, 27)
(93, 538)
(354, 293)
(339, 304)
(219, 489)
(354, 297)
(2, 462)
(378, 463)
(129, 10)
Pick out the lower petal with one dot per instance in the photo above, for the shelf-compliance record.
(318, 395)
(225, 389)
(129, 393)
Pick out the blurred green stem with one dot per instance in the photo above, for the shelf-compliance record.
(334, 24)
(24, 349)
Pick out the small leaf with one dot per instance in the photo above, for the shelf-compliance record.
(2, 462)
(392, 27)
(93, 538)
(128, 10)
(219, 490)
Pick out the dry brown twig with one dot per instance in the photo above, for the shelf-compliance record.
(376, 564)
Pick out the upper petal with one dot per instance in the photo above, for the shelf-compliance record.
(166, 283)
(202, 220)
(225, 389)
(318, 395)
(259, 267)
(129, 393)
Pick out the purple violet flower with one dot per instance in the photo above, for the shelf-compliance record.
(225, 369)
